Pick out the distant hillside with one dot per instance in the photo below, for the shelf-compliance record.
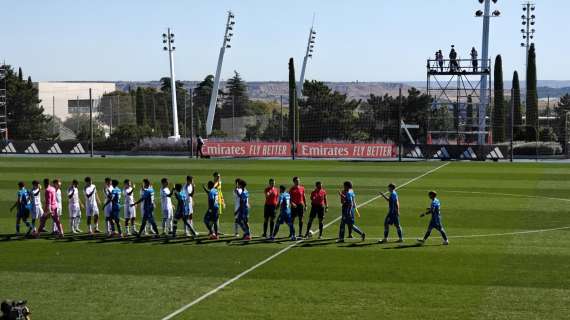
(274, 90)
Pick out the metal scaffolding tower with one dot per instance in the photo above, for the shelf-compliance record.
(3, 103)
(455, 86)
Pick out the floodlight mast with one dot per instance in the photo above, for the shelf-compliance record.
(214, 97)
(168, 40)
(308, 54)
(482, 112)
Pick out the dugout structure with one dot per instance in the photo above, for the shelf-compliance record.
(455, 88)
(3, 106)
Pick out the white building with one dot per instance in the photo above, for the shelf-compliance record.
(63, 99)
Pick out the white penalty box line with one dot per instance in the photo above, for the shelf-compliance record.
(282, 251)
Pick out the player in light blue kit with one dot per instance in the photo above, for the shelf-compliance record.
(348, 200)
(114, 199)
(435, 222)
(284, 205)
(147, 198)
(243, 210)
(393, 216)
(23, 204)
(213, 214)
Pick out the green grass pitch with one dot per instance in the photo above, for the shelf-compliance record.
(500, 275)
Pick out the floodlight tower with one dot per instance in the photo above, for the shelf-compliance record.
(228, 34)
(486, 14)
(168, 40)
(528, 21)
(308, 54)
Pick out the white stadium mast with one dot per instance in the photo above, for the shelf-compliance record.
(168, 40)
(214, 97)
(308, 54)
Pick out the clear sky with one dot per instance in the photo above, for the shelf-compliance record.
(365, 40)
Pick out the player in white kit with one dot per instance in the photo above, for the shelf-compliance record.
(130, 211)
(57, 186)
(37, 210)
(74, 206)
(237, 197)
(110, 225)
(189, 187)
(166, 206)
(91, 207)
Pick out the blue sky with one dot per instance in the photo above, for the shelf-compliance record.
(365, 40)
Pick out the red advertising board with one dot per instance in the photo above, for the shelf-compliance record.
(304, 150)
(247, 149)
(346, 150)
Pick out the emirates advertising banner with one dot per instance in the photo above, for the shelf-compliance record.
(304, 150)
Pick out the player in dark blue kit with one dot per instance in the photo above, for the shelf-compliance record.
(284, 205)
(348, 200)
(147, 198)
(114, 199)
(393, 216)
(24, 205)
(212, 215)
(243, 211)
(435, 222)
(181, 210)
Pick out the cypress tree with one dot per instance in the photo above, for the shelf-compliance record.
(292, 101)
(499, 102)
(517, 112)
(531, 95)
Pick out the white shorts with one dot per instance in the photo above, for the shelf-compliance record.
(60, 211)
(167, 214)
(130, 212)
(74, 211)
(36, 212)
(91, 210)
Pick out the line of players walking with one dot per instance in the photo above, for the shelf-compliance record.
(282, 206)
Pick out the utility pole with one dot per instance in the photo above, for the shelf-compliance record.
(191, 123)
(400, 124)
(281, 136)
(168, 40)
(91, 120)
(214, 97)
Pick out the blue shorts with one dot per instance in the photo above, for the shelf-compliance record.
(284, 218)
(212, 215)
(148, 212)
(348, 215)
(115, 213)
(23, 213)
(243, 214)
(435, 222)
(392, 219)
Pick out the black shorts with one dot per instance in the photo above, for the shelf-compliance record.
(269, 211)
(298, 211)
(317, 211)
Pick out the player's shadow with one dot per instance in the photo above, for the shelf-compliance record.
(357, 245)
(408, 246)
(317, 243)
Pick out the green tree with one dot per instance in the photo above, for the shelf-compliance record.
(25, 116)
(293, 134)
(499, 102)
(531, 95)
(235, 99)
(200, 102)
(328, 114)
(273, 130)
(79, 124)
(116, 108)
(517, 107)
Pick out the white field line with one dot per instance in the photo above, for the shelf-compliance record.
(507, 195)
(280, 252)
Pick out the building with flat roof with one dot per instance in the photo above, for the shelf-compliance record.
(63, 99)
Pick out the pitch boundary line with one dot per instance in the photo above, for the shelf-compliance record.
(514, 195)
(282, 251)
